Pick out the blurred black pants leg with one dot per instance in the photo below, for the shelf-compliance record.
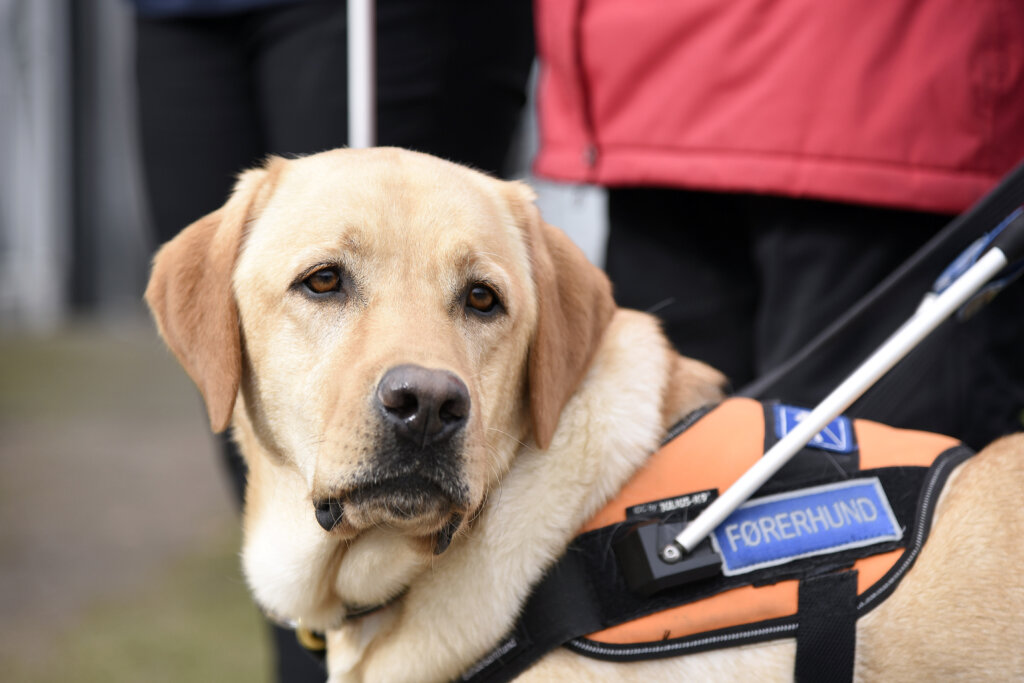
(743, 282)
(218, 94)
(686, 257)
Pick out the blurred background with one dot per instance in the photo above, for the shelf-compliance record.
(118, 539)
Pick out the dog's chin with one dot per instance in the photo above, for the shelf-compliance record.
(412, 504)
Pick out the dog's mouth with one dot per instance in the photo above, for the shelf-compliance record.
(404, 499)
(411, 502)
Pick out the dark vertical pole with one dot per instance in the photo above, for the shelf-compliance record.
(82, 294)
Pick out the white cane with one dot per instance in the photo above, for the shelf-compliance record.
(362, 91)
(933, 310)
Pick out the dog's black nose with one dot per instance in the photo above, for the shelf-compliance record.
(424, 406)
(328, 513)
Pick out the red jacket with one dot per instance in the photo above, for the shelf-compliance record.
(905, 103)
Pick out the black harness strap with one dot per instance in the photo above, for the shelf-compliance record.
(827, 635)
(561, 607)
(585, 592)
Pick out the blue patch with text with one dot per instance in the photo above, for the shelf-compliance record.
(788, 526)
(837, 436)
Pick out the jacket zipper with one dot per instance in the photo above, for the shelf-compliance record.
(591, 153)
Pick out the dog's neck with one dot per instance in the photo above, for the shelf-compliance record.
(471, 594)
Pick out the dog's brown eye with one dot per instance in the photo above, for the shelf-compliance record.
(323, 281)
(482, 299)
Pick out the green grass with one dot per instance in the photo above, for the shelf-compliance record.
(194, 623)
(91, 369)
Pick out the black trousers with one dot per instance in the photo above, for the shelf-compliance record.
(743, 282)
(218, 94)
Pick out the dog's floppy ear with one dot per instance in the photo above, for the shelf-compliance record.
(575, 306)
(190, 294)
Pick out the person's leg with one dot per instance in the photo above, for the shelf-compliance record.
(817, 259)
(451, 77)
(484, 85)
(199, 128)
(299, 71)
(196, 119)
(997, 402)
(684, 256)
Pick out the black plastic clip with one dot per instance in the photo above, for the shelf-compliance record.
(650, 559)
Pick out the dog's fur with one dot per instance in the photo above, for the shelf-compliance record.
(567, 397)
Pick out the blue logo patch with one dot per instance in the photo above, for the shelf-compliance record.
(837, 436)
(813, 521)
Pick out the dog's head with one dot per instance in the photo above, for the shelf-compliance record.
(384, 329)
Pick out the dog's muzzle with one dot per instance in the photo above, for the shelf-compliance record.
(416, 474)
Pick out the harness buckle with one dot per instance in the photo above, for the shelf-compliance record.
(311, 640)
(648, 555)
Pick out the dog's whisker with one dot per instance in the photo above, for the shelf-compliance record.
(514, 439)
(494, 486)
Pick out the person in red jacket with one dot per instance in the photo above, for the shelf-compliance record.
(767, 163)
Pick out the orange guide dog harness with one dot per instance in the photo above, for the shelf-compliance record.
(826, 540)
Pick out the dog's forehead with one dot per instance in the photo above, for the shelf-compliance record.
(386, 204)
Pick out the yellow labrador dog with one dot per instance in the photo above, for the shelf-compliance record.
(434, 390)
